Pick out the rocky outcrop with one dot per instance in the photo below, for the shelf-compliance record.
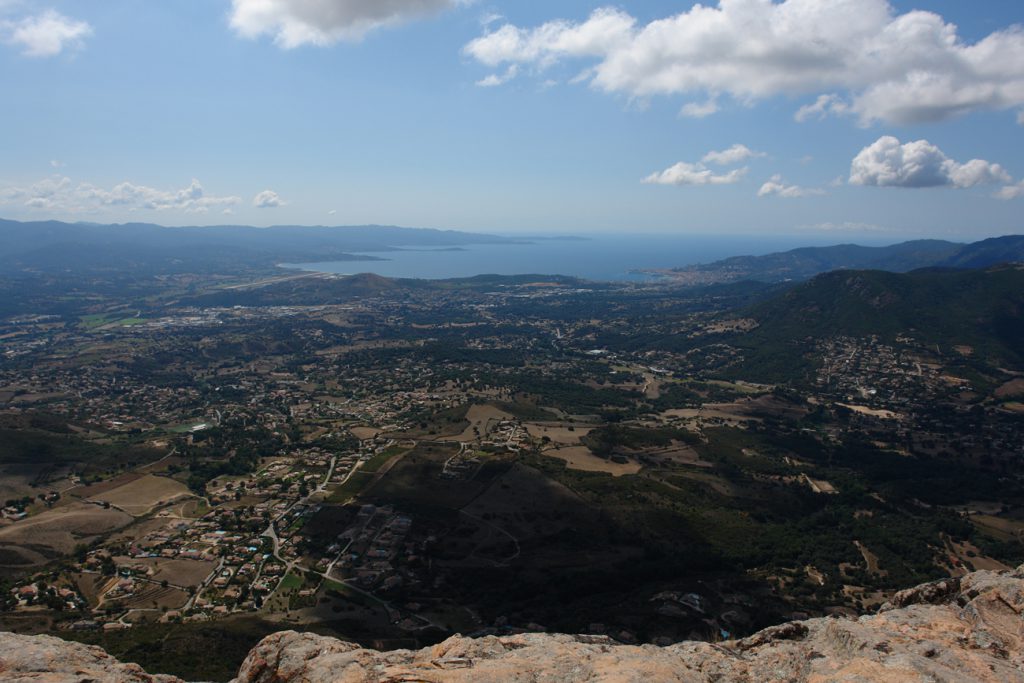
(45, 659)
(967, 629)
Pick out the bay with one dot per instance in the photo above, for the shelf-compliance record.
(603, 257)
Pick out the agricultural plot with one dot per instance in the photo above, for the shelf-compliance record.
(363, 433)
(141, 495)
(557, 432)
(581, 458)
(151, 596)
(482, 418)
(56, 532)
(181, 573)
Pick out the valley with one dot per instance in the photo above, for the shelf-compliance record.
(396, 461)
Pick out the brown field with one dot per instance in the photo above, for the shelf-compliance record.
(152, 596)
(581, 458)
(161, 465)
(104, 486)
(140, 530)
(1015, 387)
(364, 433)
(183, 573)
(712, 411)
(481, 417)
(681, 454)
(870, 559)
(16, 481)
(972, 559)
(142, 495)
(92, 586)
(999, 527)
(556, 431)
(864, 410)
(57, 532)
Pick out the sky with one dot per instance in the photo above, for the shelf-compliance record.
(853, 118)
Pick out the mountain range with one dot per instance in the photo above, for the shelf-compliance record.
(54, 246)
(806, 262)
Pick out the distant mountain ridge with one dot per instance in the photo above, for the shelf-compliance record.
(52, 246)
(806, 262)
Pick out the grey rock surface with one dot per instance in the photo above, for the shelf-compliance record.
(968, 629)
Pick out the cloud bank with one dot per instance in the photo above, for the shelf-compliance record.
(897, 68)
(61, 194)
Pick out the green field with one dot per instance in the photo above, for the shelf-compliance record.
(291, 582)
(100, 319)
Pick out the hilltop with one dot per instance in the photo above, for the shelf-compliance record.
(963, 629)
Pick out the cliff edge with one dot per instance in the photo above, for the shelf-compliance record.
(967, 629)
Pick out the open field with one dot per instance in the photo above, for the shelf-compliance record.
(999, 527)
(581, 458)
(864, 410)
(17, 479)
(142, 495)
(140, 529)
(92, 586)
(558, 432)
(183, 573)
(482, 418)
(972, 559)
(364, 433)
(1015, 387)
(678, 454)
(151, 596)
(712, 412)
(93, 490)
(57, 532)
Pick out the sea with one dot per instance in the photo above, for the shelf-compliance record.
(614, 258)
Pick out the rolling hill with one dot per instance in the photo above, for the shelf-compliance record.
(983, 309)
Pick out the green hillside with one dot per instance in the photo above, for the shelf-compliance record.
(983, 309)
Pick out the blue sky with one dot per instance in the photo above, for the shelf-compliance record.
(598, 117)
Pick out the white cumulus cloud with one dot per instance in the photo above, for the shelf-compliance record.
(699, 110)
(777, 187)
(61, 194)
(734, 155)
(45, 35)
(823, 107)
(494, 80)
(898, 68)
(694, 174)
(267, 199)
(1011, 191)
(323, 22)
(888, 163)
